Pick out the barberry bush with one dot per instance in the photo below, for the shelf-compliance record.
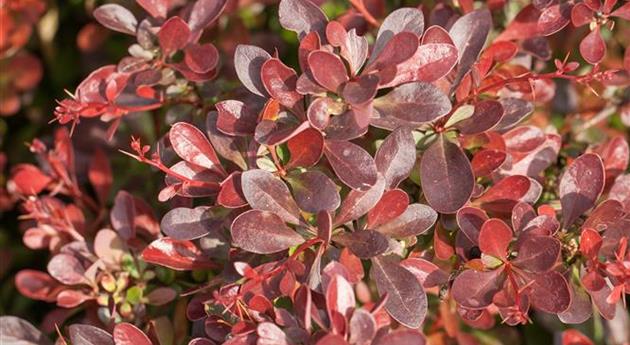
(315, 172)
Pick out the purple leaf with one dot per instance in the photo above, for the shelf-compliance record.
(475, 289)
(89, 335)
(357, 203)
(446, 176)
(266, 192)
(263, 232)
(156, 8)
(401, 337)
(469, 34)
(487, 114)
(416, 220)
(364, 243)
(231, 148)
(302, 17)
(550, 292)
(327, 69)
(128, 334)
(248, 61)
(396, 157)
(117, 18)
(236, 118)
(173, 35)
(406, 300)
(580, 186)
(184, 223)
(204, 12)
(66, 269)
(538, 254)
(315, 192)
(362, 327)
(193, 146)
(353, 165)
(14, 330)
(280, 82)
(400, 20)
(413, 103)
(429, 63)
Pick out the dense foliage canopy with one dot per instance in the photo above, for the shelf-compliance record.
(316, 172)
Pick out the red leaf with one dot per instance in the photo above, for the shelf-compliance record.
(231, 194)
(193, 146)
(401, 20)
(574, 337)
(524, 25)
(593, 47)
(236, 118)
(362, 327)
(392, 204)
(554, 18)
(357, 203)
(494, 238)
(430, 62)
(100, 175)
(89, 335)
(581, 14)
(263, 232)
(123, 214)
(487, 114)
(446, 176)
(505, 194)
(128, 334)
(327, 69)
(177, 255)
(28, 179)
(622, 12)
(469, 34)
(398, 49)
(173, 35)
(184, 223)
(364, 243)
(427, 273)
(615, 155)
(37, 285)
(201, 58)
(280, 82)
(306, 148)
(156, 8)
(416, 220)
(485, 162)
(590, 243)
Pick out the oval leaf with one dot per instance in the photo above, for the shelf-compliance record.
(266, 192)
(446, 176)
(263, 232)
